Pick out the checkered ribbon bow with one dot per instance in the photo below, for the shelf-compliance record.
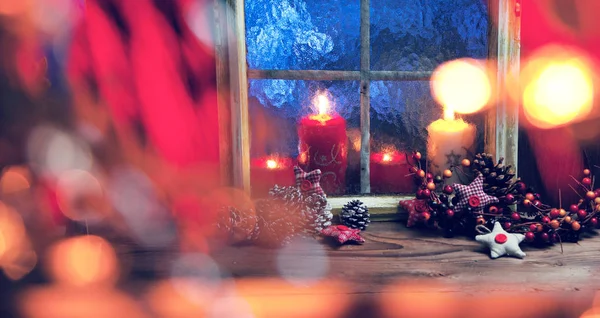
(308, 182)
(473, 196)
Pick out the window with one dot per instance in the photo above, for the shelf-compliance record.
(368, 54)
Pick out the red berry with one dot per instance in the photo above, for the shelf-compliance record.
(413, 169)
(581, 214)
(586, 172)
(515, 216)
(587, 181)
(594, 222)
(510, 198)
(521, 187)
(574, 208)
(545, 237)
(493, 209)
(429, 176)
(450, 213)
(554, 213)
(527, 202)
(417, 156)
(597, 192)
(431, 186)
(426, 193)
(420, 194)
(590, 195)
(448, 189)
(537, 203)
(425, 216)
(546, 219)
(506, 225)
(421, 173)
(529, 236)
(533, 227)
(530, 196)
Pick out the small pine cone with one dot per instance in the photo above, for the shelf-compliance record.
(316, 213)
(276, 226)
(355, 214)
(237, 226)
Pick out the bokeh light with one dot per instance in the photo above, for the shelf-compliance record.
(557, 87)
(197, 277)
(462, 85)
(81, 196)
(17, 258)
(15, 179)
(84, 261)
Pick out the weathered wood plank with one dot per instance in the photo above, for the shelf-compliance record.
(329, 75)
(239, 96)
(506, 115)
(365, 97)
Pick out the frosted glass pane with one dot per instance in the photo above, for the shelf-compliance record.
(418, 35)
(277, 106)
(299, 34)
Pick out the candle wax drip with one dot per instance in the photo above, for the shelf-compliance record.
(322, 118)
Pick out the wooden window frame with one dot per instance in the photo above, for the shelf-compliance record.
(501, 124)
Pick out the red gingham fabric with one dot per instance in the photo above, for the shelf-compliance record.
(473, 195)
(309, 182)
(343, 234)
(415, 208)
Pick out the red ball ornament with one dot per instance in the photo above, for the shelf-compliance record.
(587, 181)
(554, 213)
(448, 189)
(515, 216)
(546, 219)
(581, 214)
(450, 213)
(529, 236)
(574, 208)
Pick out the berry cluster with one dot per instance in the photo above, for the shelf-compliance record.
(519, 208)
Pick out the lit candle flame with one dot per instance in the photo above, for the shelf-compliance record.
(272, 164)
(387, 157)
(322, 104)
(448, 113)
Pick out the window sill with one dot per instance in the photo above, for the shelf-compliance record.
(381, 207)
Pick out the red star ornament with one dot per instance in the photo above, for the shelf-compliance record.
(473, 196)
(415, 209)
(343, 234)
(308, 182)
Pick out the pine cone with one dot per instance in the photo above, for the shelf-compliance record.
(316, 213)
(355, 214)
(276, 226)
(236, 226)
(291, 196)
(498, 178)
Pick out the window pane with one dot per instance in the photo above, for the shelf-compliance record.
(276, 109)
(400, 115)
(303, 34)
(410, 35)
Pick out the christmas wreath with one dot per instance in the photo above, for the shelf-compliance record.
(497, 201)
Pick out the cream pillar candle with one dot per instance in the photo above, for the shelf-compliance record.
(449, 140)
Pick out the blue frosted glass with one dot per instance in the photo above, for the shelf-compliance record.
(401, 112)
(418, 35)
(297, 34)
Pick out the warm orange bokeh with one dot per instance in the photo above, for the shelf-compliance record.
(84, 261)
(557, 87)
(461, 86)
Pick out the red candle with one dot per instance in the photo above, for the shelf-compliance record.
(389, 170)
(324, 146)
(269, 171)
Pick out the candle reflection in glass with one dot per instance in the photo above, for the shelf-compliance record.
(389, 172)
(265, 172)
